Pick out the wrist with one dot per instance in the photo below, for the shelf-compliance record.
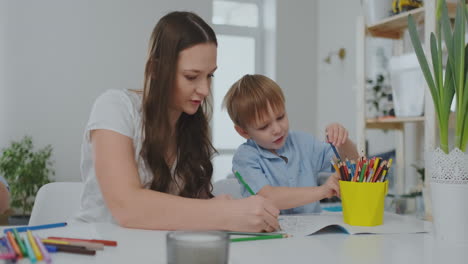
(321, 191)
(226, 212)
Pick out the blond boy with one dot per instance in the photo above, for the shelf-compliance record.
(277, 163)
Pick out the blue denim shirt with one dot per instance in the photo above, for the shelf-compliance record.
(306, 158)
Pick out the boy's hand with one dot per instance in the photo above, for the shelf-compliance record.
(332, 187)
(336, 134)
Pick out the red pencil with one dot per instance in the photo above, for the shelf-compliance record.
(379, 171)
(105, 242)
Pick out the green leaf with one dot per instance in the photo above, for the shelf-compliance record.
(26, 171)
(421, 57)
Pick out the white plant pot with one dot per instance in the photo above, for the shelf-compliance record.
(426, 193)
(449, 195)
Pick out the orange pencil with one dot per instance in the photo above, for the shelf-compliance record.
(105, 242)
(13, 243)
(336, 168)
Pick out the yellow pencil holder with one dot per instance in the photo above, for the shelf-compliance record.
(363, 202)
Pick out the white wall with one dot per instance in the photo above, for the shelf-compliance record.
(3, 19)
(336, 81)
(57, 56)
(296, 56)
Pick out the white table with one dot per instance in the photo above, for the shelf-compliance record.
(144, 246)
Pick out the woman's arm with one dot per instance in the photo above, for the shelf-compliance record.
(291, 197)
(4, 198)
(135, 207)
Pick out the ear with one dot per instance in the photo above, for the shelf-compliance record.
(242, 132)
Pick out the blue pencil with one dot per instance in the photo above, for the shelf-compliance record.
(334, 149)
(26, 228)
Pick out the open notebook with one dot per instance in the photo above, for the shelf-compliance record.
(303, 225)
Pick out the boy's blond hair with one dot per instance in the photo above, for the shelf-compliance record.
(247, 100)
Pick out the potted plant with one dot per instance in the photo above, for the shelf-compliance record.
(26, 171)
(447, 166)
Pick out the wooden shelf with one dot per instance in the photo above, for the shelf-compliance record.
(391, 123)
(394, 26)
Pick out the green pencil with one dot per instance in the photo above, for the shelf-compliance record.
(363, 172)
(20, 242)
(259, 238)
(239, 177)
(252, 233)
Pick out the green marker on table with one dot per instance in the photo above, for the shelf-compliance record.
(240, 239)
(239, 177)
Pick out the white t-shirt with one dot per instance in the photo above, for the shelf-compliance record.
(119, 111)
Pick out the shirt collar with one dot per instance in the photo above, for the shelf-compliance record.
(267, 153)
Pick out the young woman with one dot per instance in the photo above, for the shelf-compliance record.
(146, 155)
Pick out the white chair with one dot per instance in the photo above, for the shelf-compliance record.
(228, 186)
(56, 202)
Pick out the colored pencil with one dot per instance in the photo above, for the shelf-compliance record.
(38, 227)
(239, 177)
(14, 244)
(73, 249)
(251, 233)
(88, 245)
(31, 255)
(6, 252)
(8, 246)
(50, 248)
(334, 149)
(20, 243)
(259, 238)
(379, 171)
(363, 171)
(45, 253)
(34, 246)
(105, 242)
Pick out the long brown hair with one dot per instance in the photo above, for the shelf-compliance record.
(175, 32)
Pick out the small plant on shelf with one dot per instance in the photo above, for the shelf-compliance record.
(379, 97)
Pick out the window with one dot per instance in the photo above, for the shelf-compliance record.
(239, 26)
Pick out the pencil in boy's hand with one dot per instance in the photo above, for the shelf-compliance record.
(334, 149)
(239, 177)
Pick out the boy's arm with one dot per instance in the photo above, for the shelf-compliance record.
(291, 197)
(348, 150)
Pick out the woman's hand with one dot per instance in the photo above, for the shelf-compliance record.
(336, 134)
(254, 214)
